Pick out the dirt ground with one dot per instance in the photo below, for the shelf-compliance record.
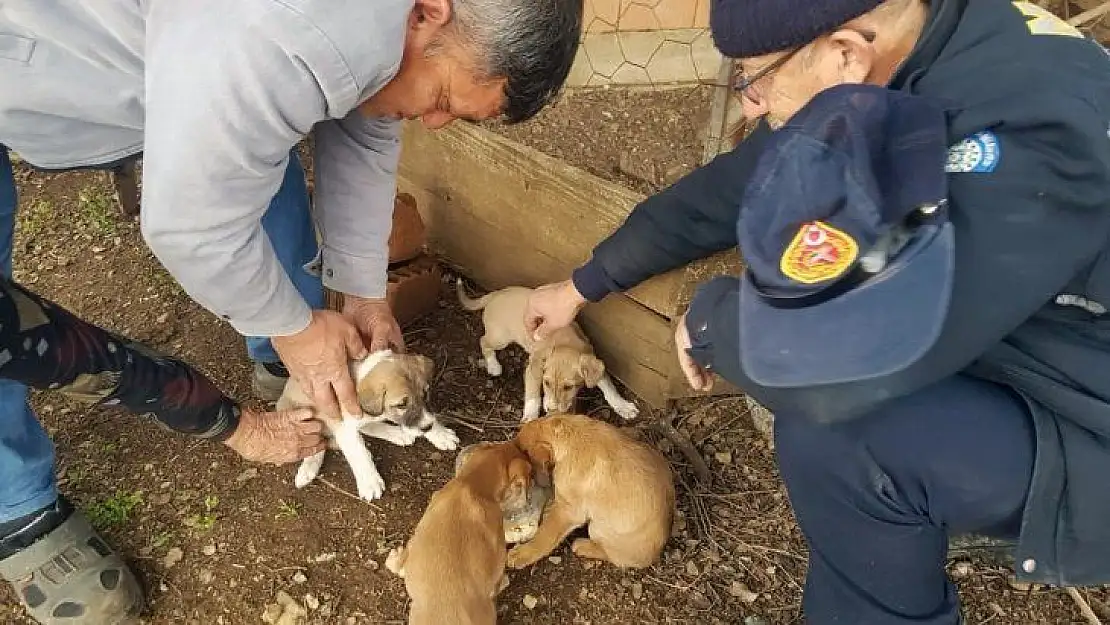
(214, 539)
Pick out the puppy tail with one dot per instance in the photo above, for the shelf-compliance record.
(467, 302)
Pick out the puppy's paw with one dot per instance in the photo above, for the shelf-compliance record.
(493, 367)
(395, 561)
(626, 409)
(309, 469)
(372, 487)
(442, 438)
(531, 410)
(518, 558)
(406, 436)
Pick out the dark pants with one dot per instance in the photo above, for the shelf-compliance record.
(878, 497)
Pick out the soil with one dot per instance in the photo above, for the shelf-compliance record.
(215, 539)
(644, 140)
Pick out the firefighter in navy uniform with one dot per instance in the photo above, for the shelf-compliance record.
(924, 213)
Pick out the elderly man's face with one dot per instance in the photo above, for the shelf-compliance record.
(438, 81)
(866, 50)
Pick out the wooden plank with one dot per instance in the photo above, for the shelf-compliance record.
(465, 176)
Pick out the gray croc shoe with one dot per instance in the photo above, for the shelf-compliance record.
(266, 384)
(71, 576)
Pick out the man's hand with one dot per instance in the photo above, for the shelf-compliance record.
(375, 322)
(318, 356)
(551, 307)
(277, 437)
(698, 378)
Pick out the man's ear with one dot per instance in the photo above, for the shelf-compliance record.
(431, 14)
(855, 54)
(591, 369)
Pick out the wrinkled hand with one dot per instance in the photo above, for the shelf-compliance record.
(375, 322)
(318, 356)
(551, 307)
(697, 377)
(277, 437)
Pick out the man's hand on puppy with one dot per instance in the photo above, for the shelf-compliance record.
(551, 307)
(318, 356)
(698, 378)
(375, 322)
(277, 437)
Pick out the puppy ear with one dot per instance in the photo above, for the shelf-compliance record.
(427, 368)
(591, 369)
(520, 481)
(372, 401)
(542, 457)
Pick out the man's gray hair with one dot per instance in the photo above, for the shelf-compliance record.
(530, 43)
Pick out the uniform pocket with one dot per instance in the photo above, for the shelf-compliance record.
(16, 48)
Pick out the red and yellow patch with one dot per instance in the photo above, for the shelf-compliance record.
(818, 253)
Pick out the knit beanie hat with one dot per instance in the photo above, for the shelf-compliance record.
(746, 28)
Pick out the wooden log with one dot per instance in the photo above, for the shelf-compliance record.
(505, 214)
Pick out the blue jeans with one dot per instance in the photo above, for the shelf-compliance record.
(877, 498)
(26, 453)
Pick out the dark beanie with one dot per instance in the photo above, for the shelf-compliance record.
(746, 28)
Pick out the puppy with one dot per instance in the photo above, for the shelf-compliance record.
(559, 365)
(623, 489)
(391, 389)
(454, 563)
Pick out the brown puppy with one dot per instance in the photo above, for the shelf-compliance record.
(454, 563)
(559, 366)
(391, 389)
(622, 488)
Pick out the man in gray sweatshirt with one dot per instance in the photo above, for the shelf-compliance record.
(214, 96)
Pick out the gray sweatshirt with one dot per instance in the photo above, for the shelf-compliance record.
(215, 93)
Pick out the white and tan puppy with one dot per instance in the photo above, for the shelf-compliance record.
(391, 391)
(558, 367)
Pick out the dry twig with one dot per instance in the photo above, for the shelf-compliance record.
(1084, 607)
(665, 427)
(346, 492)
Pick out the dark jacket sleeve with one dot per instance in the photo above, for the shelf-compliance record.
(1023, 233)
(693, 218)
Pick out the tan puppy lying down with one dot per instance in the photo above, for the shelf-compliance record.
(623, 489)
(454, 563)
(391, 389)
(560, 365)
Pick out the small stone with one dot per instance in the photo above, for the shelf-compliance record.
(530, 602)
(206, 576)
(637, 591)
(247, 474)
(172, 557)
(691, 568)
(755, 620)
(555, 560)
(164, 317)
(325, 557)
(723, 457)
(209, 550)
(962, 569)
(272, 613)
(1020, 586)
(299, 577)
(742, 592)
(311, 602)
(325, 610)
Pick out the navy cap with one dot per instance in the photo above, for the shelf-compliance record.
(845, 235)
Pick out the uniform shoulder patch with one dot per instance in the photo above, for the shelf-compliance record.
(978, 153)
(1040, 21)
(818, 253)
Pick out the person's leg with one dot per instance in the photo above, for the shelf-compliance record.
(877, 498)
(288, 223)
(26, 453)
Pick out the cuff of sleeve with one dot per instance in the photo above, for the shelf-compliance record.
(226, 423)
(713, 323)
(592, 281)
(361, 276)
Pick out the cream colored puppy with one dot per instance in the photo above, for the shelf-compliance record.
(391, 388)
(558, 367)
(621, 488)
(454, 563)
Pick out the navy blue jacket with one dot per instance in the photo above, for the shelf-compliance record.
(1033, 260)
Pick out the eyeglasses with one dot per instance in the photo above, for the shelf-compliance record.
(743, 83)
